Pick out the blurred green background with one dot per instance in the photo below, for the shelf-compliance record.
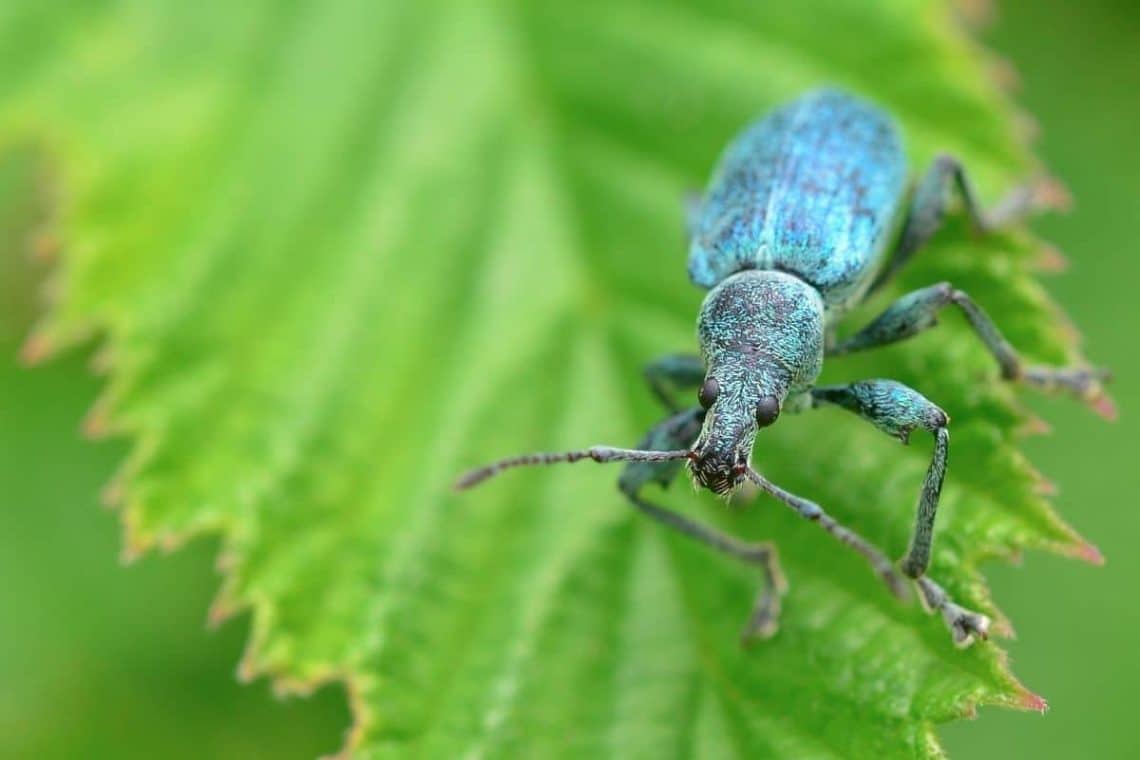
(98, 660)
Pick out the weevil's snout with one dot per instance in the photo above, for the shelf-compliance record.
(715, 471)
(719, 459)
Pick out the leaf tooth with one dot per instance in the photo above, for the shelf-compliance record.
(38, 347)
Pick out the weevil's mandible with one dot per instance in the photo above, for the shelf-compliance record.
(809, 213)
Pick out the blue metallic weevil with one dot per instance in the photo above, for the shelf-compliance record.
(808, 213)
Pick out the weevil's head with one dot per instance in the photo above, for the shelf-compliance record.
(761, 335)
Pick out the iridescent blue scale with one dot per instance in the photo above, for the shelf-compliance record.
(817, 188)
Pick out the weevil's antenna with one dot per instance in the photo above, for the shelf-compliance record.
(597, 453)
(811, 511)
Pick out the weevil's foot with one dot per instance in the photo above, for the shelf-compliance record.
(1050, 194)
(1042, 194)
(764, 620)
(966, 626)
(1084, 383)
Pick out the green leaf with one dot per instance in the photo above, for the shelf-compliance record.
(339, 251)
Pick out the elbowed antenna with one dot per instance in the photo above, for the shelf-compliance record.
(809, 510)
(597, 453)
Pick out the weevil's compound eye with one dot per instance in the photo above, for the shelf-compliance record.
(767, 410)
(708, 392)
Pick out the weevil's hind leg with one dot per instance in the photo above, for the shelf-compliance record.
(918, 311)
(679, 431)
(928, 209)
(672, 374)
(898, 410)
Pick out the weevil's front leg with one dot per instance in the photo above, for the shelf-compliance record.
(898, 410)
(672, 374)
(928, 208)
(680, 431)
(917, 311)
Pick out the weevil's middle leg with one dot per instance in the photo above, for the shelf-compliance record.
(898, 410)
(674, 373)
(928, 209)
(917, 311)
(679, 431)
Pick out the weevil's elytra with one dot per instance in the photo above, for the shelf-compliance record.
(817, 189)
(807, 214)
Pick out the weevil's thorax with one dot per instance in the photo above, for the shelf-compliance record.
(761, 334)
(762, 331)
